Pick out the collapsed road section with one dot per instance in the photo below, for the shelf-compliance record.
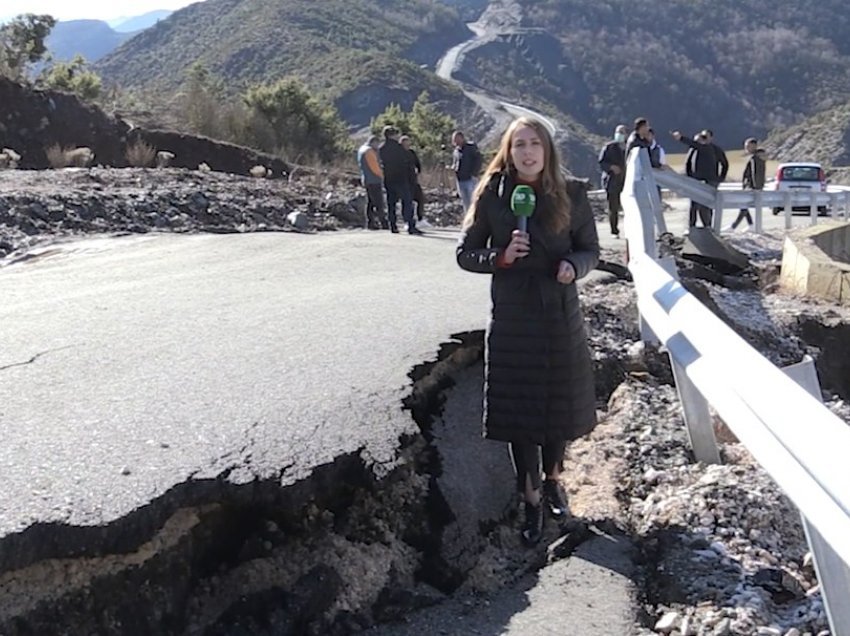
(332, 553)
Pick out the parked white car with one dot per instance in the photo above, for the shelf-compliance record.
(794, 177)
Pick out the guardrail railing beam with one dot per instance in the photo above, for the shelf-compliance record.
(797, 441)
(833, 573)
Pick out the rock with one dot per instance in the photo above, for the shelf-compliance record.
(298, 220)
(347, 213)
(768, 631)
(198, 203)
(668, 622)
(792, 632)
(723, 628)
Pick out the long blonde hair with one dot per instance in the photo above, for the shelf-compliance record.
(557, 214)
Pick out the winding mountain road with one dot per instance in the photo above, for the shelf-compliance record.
(499, 19)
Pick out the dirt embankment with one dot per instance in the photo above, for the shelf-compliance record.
(33, 120)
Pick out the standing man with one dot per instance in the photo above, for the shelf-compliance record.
(415, 186)
(639, 137)
(372, 178)
(612, 162)
(398, 164)
(466, 163)
(702, 164)
(657, 156)
(754, 177)
(722, 161)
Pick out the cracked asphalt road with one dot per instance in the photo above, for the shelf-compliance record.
(130, 365)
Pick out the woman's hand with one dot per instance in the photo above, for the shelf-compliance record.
(566, 273)
(518, 248)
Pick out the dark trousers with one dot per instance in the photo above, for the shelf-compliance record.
(744, 214)
(419, 198)
(706, 214)
(375, 206)
(526, 458)
(400, 192)
(614, 207)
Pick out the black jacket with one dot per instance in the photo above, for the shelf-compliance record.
(415, 168)
(539, 374)
(466, 161)
(636, 141)
(613, 154)
(754, 173)
(703, 163)
(397, 162)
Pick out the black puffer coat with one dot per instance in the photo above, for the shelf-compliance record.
(540, 384)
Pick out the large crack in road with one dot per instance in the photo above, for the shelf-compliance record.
(335, 553)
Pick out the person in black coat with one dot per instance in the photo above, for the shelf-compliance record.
(707, 162)
(539, 390)
(612, 162)
(398, 165)
(754, 177)
(639, 138)
(416, 169)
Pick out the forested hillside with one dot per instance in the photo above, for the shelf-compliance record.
(360, 54)
(739, 66)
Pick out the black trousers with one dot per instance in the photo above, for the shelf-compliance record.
(526, 458)
(614, 207)
(419, 200)
(743, 215)
(706, 214)
(375, 206)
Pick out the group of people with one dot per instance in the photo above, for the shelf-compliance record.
(392, 167)
(705, 161)
(612, 162)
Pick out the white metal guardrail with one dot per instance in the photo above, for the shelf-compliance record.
(778, 415)
(730, 197)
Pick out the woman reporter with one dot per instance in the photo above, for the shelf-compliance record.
(539, 390)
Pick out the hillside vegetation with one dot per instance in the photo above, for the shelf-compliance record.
(824, 137)
(358, 53)
(739, 66)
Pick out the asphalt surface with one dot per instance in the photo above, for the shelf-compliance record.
(129, 365)
(591, 592)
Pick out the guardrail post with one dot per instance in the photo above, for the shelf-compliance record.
(717, 221)
(789, 211)
(846, 210)
(759, 223)
(833, 573)
(813, 208)
(697, 416)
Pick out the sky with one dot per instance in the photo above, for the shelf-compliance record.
(92, 9)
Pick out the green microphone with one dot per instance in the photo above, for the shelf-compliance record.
(523, 201)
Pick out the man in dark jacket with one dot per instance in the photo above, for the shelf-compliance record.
(703, 163)
(466, 163)
(415, 186)
(398, 165)
(639, 137)
(612, 162)
(754, 177)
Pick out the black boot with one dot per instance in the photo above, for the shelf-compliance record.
(532, 529)
(556, 498)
